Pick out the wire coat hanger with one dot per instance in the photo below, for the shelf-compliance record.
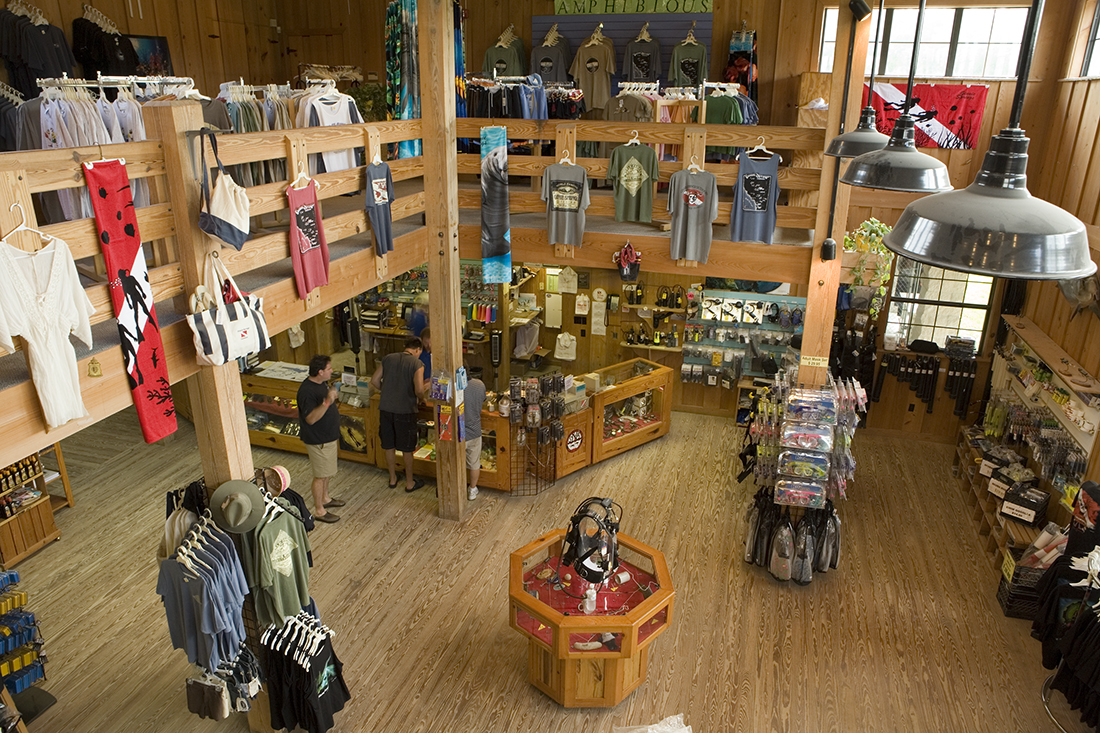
(22, 227)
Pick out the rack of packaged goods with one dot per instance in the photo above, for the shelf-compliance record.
(734, 334)
(26, 514)
(974, 485)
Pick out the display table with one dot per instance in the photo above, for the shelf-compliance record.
(635, 612)
(635, 409)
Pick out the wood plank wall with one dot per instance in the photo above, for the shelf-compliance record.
(209, 41)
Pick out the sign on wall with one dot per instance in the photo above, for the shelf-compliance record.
(620, 7)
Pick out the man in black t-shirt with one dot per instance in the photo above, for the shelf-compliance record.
(400, 379)
(319, 429)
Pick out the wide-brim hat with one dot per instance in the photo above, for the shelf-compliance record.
(237, 506)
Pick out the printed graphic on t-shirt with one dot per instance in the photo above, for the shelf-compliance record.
(641, 61)
(546, 66)
(306, 218)
(633, 176)
(328, 674)
(381, 194)
(693, 197)
(501, 66)
(282, 554)
(592, 64)
(757, 190)
(565, 196)
(690, 69)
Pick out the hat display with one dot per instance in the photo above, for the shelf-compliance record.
(237, 506)
(277, 479)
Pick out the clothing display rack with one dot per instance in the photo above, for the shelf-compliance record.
(11, 93)
(100, 19)
(118, 81)
(33, 12)
(335, 73)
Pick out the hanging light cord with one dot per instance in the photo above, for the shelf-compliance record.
(874, 50)
(913, 62)
(848, 74)
(1023, 68)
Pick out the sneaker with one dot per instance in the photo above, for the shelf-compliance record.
(472, 493)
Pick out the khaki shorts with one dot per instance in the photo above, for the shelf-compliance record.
(322, 458)
(473, 453)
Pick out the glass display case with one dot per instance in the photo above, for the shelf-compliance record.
(632, 405)
(594, 659)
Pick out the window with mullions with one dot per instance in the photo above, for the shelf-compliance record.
(1091, 66)
(931, 303)
(955, 42)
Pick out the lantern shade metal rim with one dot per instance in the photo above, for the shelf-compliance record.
(864, 139)
(899, 166)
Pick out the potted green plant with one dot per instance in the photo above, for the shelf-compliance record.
(873, 257)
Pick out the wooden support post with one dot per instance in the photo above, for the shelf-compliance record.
(437, 91)
(215, 392)
(825, 276)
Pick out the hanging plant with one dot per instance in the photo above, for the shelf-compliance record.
(873, 256)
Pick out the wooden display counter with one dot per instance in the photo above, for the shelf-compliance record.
(491, 477)
(272, 414)
(620, 423)
(564, 659)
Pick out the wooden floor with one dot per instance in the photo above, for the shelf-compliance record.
(905, 636)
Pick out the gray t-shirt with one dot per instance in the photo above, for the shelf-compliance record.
(550, 62)
(754, 199)
(693, 203)
(379, 199)
(474, 397)
(565, 191)
(642, 61)
(398, 389)
(592, 69)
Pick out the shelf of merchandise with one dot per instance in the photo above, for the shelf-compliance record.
(646, 347)
(1056, 359)
(656, 308)
(997, 533)
(32, 527)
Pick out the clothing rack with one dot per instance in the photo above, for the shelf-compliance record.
(115, 81)
(19, 7)
(12, 94)
(344, 72)
(101, 20)
(1092, 582)
(640, 87)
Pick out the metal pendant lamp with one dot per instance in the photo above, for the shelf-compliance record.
(900, 166)
(866, 137)
(995, 226)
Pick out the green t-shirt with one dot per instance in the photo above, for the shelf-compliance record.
(723, 110)
(633, 169)
(689, 65)
(283, 569)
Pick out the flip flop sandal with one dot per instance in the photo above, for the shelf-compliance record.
(417, 483)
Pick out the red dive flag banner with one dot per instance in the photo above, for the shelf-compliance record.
(947, 115)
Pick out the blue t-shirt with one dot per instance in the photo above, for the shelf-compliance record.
(426, 358)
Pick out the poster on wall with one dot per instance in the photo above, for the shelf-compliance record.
(496, 234)
(154, 58)
(947, 115)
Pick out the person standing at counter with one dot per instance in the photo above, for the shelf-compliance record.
(319, 429)
(426, 353)
(399, 379)
(474, 398)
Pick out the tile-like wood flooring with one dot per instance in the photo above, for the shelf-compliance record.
(905, 636)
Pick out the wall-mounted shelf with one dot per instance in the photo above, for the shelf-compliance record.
(655, 308)
(676, 349)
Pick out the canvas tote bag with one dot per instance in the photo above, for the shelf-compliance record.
(223, 214)
(227, 331)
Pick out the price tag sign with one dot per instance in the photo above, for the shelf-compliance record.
(814, 361)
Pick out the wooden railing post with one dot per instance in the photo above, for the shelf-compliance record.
(824, 280)
(215, 392)
(437, 90)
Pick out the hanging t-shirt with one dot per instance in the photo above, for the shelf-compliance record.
(565, 191)
(688, 65)
(592, 69)
(503, 59)
(693, 203)
(723, 110)
(42, 300)
(551, 62)
(642, 60)
(633, 170)
(379, 199)
(308, 247)
(754, 200)
(283, 569)
(567, 280)
(565, 347)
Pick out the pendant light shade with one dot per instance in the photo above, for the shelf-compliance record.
(995, 226)
(899, 166)
(866, 137)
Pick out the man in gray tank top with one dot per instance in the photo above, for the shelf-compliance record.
(400, 380)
